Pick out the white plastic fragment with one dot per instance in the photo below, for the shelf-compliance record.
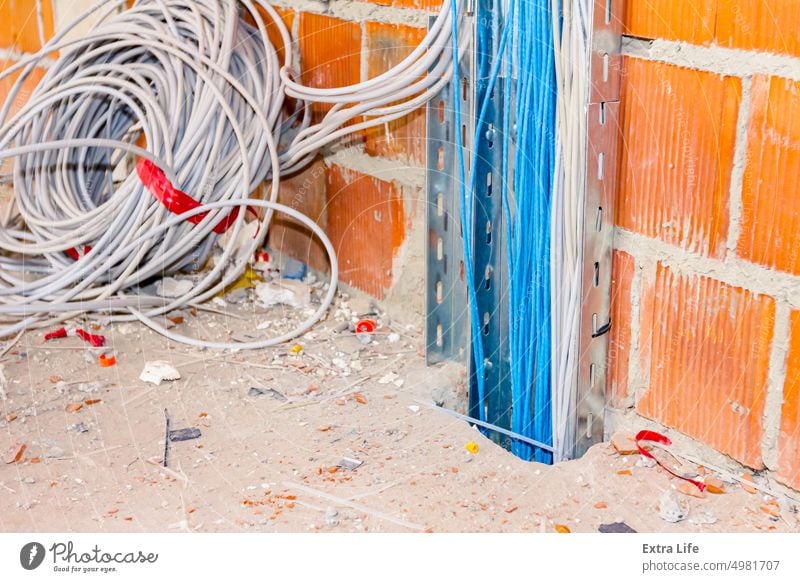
(284, 292)
(671, 508)
(171, 287)
(157, 372)
(393, 338)
(388, 378)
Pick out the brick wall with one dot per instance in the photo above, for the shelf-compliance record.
(366, 192)
(706, 298)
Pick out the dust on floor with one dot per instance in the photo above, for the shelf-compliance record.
(275, 426)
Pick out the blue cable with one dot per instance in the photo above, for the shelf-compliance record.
(529, 244)
(528, 228)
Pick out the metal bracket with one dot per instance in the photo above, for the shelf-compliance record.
(603, 147)
(447, 323)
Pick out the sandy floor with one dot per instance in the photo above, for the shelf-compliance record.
(268, 462)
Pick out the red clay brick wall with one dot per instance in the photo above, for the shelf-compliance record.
(706, 297)
(372, 184)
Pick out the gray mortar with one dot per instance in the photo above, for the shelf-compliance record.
(733, 271)
(775, 383)
(359, 11)
(739, 163)
(405, 301)
(714, 59)
(397, 171)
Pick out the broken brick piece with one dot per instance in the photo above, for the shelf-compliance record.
(624, 444)
(74, 407)
(746, 483)
(691, 490)
(15, 453)
(714, 485)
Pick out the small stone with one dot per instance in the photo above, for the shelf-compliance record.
(388, 378)
(29, 480)
(671, 508)
(331, 517)
(704, 517)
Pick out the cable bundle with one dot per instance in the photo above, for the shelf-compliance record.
(543, 207)
(529, 246)
(193, 90)
(572, 53)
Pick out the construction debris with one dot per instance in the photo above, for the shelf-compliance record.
(617, 527)
(171, 288)
(624, 444)
(671, 508)
(184, 434)
(158, 371)
(14, 454)
(350, 464)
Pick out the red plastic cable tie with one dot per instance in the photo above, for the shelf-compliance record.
(173, 199)
(73, 252)
(55, 334)
(97, 341)
(657, 437)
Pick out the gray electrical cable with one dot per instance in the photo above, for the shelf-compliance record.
(196, 88)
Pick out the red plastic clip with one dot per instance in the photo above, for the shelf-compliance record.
(173, 199)
(366, 326)
(657, 437)
(55, 334)
(97, 341)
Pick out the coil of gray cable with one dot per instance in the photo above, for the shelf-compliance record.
(196, 89)
(200, 89)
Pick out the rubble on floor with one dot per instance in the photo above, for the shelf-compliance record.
(325, 433)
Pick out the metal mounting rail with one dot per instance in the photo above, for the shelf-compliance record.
(598, 232)
(447, 323)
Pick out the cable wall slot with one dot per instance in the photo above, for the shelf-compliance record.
(519, 273)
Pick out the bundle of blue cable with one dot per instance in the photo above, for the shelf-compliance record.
(529, 244)
(527, 218)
